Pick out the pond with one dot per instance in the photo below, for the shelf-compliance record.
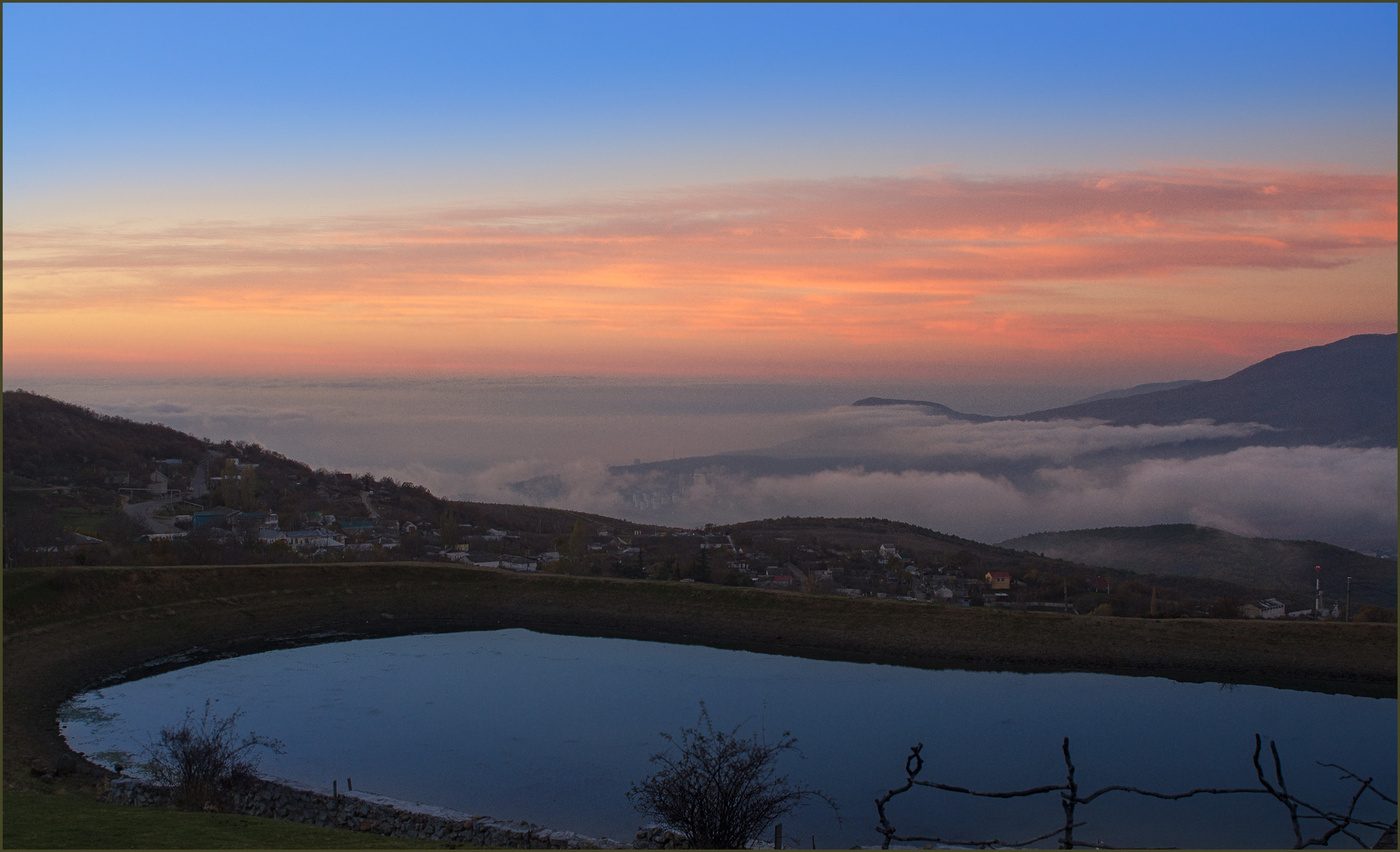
(555, 729)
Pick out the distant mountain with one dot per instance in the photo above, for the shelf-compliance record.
(1137, 390)
(1196, 551)
(1340, 393)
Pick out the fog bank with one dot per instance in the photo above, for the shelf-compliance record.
(573, 443)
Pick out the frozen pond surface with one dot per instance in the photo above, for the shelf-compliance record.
(554, 729)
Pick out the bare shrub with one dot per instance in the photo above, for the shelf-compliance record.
(718, 789)
(205, 759)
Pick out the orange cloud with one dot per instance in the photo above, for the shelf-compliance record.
(795, 272)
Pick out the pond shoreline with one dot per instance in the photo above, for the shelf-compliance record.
(68, 630)
(389, 817)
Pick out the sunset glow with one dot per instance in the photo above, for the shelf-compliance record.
(981, 267)
(798, 277)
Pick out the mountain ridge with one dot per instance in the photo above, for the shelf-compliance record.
(1135, 390)
(1339, 393)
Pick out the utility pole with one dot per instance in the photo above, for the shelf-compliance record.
(1317, 604)
(1348, 599)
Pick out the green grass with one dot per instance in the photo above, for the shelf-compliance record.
(56, 821)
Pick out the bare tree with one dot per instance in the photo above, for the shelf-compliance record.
(1070, 798)
(204, 759)
(718, 789)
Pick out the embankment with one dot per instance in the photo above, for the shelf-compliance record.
(69, 629)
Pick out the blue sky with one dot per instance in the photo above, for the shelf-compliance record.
(122, 110)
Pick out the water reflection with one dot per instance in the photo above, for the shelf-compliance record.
(554, 729)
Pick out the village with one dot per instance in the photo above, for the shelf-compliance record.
(239, 503)
(678, 554)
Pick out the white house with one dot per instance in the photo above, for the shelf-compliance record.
(160, 483)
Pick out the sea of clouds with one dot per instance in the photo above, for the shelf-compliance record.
(787, 450)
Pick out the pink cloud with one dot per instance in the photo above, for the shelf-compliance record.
(860, 260)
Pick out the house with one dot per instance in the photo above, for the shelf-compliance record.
(888, 550)
(998, 580)
(313, 537)
(1101, 585)
(160, 483)
(1267, 608)
(215, 517)
(518, 563)
(72, 540)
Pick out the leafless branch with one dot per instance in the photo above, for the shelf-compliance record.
(1341, 823)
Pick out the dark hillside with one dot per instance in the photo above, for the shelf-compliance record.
(1186, 549)
(68, 470)
(59, 442)
(1037, 576)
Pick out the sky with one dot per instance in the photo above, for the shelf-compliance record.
(1096, 195)
(479, 247)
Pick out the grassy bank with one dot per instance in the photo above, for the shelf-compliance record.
(56, 821)
(67, 629)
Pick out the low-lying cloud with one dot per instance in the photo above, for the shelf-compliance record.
(560, 443)
(1339, 495)
(907, 431)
